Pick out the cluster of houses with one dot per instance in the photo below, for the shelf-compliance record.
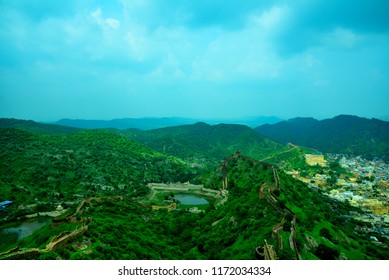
(366, 185)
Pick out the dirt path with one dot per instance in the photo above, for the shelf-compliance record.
(294, 147)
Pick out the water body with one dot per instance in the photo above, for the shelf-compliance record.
(189, 199)
(11, 235)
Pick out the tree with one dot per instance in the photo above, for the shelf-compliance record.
(326, 253)
(276, 192)
(286, 225)
(325, 233)
(286, 254)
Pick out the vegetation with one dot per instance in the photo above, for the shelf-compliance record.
(101, 177)
(343, 134)
(31, 126)
(205, 145)
(83, 164)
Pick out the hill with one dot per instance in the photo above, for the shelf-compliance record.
(54, 169)
(342, 134)
(36, 127)
(204, 144)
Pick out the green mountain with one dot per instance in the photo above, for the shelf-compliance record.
(206, 145)
(342, 134)
(36, 127)
(54, 169)
(266, 214)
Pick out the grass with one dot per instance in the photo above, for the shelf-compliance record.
(285, 239)
(348, 250)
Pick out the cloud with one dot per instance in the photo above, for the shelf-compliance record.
(341, 38)
(39, 10)
(104, 23)
(311, 23)
(192, 14)
(150, 53)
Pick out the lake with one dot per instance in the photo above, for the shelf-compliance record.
(189, 199)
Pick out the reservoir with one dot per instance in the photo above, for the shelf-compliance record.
(189, 199)
(27, 228)
(16, 232)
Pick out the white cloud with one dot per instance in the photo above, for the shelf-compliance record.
(308, 62)
(272, 18)
(104, 23)
(113, 23)
(341, 38)
(137, 45)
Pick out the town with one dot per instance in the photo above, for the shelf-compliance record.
(362, 183)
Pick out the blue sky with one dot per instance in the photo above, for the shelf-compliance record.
(215, 59)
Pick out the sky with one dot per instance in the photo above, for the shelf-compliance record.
(98, 59)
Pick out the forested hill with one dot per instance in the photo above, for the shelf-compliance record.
(342, 134)
(36, 127)
(206, 144)
(87, 163)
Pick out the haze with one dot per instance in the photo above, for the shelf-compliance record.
(215, 59)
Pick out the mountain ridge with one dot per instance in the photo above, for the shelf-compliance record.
(149, 123)
(36, 127)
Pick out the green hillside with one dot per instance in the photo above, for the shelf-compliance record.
(207, 145)
(342, 134)
(83, 164)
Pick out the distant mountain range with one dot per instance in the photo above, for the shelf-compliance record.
(36, 127)
(384, 118)
(248, 121)
(342, 134)
(154, 123)
(126, 123)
